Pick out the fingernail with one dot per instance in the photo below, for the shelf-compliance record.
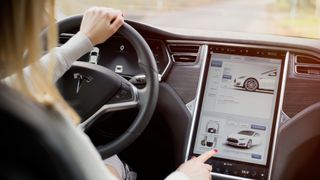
(215, 150)
(193, 157)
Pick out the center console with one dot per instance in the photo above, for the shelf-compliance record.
(237, 110)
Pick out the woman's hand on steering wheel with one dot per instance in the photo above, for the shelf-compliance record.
(100, 23)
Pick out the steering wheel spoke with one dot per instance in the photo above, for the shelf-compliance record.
(127, 97)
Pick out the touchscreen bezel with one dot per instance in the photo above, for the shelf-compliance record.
(276, 116)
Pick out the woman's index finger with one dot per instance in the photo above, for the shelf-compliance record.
(205, 156)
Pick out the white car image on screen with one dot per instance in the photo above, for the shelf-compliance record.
(245, 138)
(265, 81)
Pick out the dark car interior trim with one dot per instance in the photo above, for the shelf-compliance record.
(289, 152)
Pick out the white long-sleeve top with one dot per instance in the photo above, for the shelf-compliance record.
(66, 54)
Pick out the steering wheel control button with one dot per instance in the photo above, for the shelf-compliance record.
(123, 95)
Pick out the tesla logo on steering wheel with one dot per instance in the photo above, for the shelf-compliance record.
(81, 79)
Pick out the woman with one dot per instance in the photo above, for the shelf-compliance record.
(21, 46)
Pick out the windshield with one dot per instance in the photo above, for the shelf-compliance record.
(282, 17)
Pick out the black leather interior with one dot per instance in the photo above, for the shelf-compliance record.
(178, 118)
(298, 147)
(30, 143)
(161, 147)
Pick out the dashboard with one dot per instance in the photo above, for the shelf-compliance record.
(180, 58)
(119, 55)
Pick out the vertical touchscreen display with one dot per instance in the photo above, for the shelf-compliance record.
(238, 106)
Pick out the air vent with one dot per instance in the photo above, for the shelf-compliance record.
(306, 60)
(178, 48)
(307, 66)
(185, 58)
(184, 54)
(64, 37)
(308, 70)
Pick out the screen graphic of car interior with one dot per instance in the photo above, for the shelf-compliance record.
(236, 113)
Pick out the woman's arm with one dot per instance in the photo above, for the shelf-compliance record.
(68, 53)
(65, 55)
(96, 27)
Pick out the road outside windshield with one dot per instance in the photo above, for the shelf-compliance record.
(283, 17)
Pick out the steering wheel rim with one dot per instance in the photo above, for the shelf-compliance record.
(147, 97)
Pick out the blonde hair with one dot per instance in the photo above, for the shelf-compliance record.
(20, 45)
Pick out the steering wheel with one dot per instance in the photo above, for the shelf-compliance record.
(94, 90)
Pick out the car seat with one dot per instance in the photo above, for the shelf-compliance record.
(34, 145)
